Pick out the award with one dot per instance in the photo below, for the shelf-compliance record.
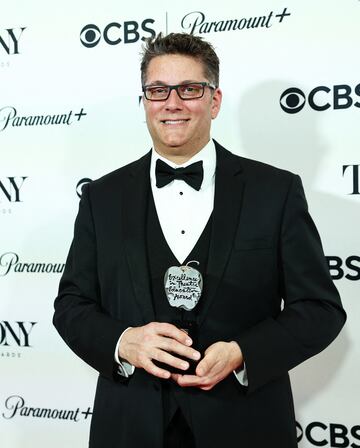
(183, 287)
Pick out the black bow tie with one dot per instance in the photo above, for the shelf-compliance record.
(193, 174)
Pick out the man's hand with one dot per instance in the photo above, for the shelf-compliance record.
(219, 361)
(158, 341)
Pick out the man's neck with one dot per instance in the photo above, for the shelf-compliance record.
(178, 155)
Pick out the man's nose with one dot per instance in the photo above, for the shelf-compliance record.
(174, 101)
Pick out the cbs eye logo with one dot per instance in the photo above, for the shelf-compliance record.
(341, 96)
(80, 184)
(299, 432)
(292, 100)
(90, 36)
(115, 33)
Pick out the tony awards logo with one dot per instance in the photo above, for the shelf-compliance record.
(183, 287)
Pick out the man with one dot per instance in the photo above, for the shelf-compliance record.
(247, 226)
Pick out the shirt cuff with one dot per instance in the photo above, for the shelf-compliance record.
(124, 368)
(241, 375)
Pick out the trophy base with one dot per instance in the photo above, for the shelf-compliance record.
(190, 328)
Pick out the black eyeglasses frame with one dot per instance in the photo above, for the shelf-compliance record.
(176, 87)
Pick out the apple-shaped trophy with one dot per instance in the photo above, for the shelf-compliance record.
(183, 287)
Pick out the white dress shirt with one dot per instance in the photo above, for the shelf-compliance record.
(183, 213)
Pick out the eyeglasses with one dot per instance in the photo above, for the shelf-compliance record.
(191, 91)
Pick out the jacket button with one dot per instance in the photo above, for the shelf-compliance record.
(156, 386)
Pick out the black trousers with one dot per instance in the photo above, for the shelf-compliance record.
(178, 433)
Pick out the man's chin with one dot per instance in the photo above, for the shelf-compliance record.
(175, 145)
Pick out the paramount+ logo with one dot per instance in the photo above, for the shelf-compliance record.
(333, 435)
(321, 98)
(115, 33)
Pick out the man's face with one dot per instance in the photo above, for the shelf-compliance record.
(178, 127)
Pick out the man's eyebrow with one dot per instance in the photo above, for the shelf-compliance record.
(162, 83)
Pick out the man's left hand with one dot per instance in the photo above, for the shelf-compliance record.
(219, 360)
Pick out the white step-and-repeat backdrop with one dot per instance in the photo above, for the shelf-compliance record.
(70, 111)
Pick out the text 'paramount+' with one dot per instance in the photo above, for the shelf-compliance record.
(10, 263)
(15, 406)
(195, 22)
(10, 117)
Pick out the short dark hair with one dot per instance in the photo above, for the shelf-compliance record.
(183, 44)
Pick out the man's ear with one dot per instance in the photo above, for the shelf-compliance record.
(216, 102)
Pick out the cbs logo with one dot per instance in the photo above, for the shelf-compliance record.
(348, 268)
(114, 33)
(320, 98)
(334, 435)
(80, 184)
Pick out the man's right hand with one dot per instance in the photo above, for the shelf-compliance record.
(158, 341)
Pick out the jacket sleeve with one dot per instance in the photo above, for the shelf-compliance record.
(312, 315)
(79, 318)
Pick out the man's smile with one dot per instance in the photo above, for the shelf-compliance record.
(173, 122)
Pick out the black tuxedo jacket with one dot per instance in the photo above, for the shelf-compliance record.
(264, 250)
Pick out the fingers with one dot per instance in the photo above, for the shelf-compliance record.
(171, 331)
(146, 362)
(154, 370)
(172, 341)
(157, 341)
(211, 362)
(205, 366)
(169, 359)
(208, 374)
(212, 369)
(204, 383)
(175, 347)
(189, 380)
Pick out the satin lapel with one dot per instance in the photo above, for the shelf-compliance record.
(135, 201)
(227, 204)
